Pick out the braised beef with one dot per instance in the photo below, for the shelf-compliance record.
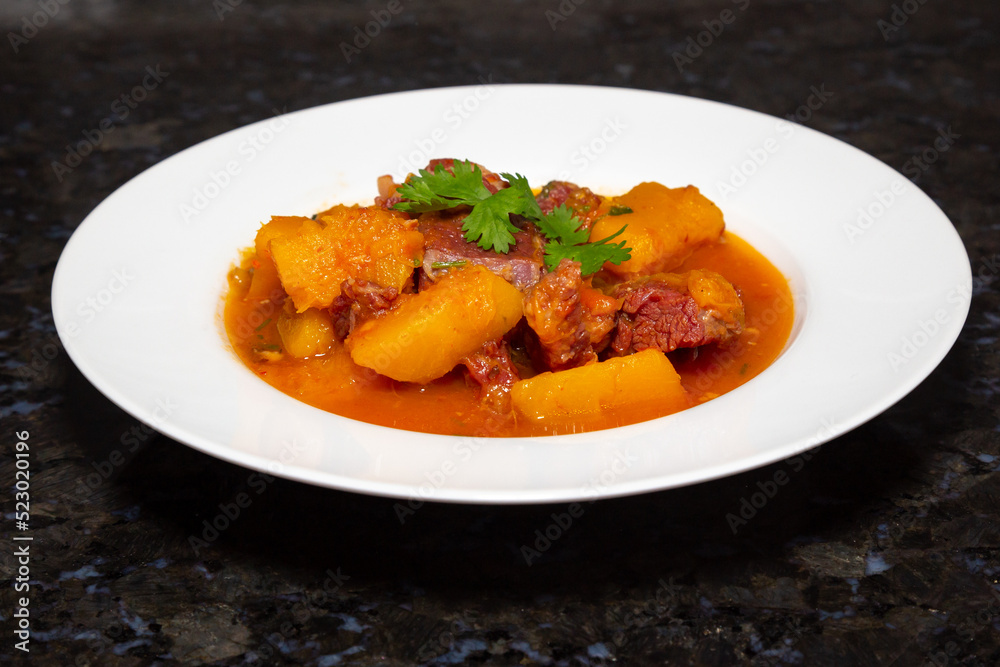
(571, 321)
(661, 312)
(359, 301)
(492, 369)
(582, 201)
(445, 247)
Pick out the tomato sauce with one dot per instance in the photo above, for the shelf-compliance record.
(333, 382)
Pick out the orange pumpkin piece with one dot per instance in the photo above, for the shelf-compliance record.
(367, 244)
(265, 283)
(425, 335)
(665, 226)
(305, 334)
(639, 381)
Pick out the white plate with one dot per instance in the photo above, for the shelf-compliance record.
(137, 292)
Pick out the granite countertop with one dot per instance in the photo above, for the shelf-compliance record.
(882, 548)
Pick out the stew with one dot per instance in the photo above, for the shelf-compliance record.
(462, 302)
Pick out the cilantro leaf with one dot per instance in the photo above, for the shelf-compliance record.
(562, 225)
(440, 189)
(524, 203)
(567, 238)
(591, 256)
(489, 225)
(465, 182)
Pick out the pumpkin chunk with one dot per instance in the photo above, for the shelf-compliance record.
(425, 335)
(665, 226)
(265, 283)
(637, 382)
(363, 243)
(305, 334)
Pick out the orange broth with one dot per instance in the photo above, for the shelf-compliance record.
(333, 382)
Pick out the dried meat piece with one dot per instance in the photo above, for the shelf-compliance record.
(492, 369)
(670, 311)
(570, 319)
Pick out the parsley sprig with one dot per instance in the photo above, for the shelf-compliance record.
(488, 224)
(437, 190)
(592, 255)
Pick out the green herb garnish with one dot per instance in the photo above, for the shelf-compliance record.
(563, 226)
(458, 263)
(488, 224)
(619, 210)
(263, 324)
(567, 239)
(591, 256)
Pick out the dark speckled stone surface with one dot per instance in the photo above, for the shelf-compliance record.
(883, 549)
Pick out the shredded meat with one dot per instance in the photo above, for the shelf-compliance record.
(492, 369)
(571, 320)
(671, 311)
(359, 301)
(582, 201)
(602, 315)
(445, 247)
